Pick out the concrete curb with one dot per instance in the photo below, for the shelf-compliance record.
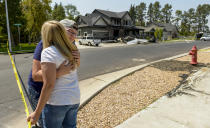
(93, 86)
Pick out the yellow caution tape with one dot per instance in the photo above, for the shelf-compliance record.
(19, 86)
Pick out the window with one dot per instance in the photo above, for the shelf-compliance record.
(85, 33)
(79, 32)
(118, 22)
(89, 37)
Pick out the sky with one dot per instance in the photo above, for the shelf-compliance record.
(87, 6)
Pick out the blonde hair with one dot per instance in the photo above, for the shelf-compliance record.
(54, 33)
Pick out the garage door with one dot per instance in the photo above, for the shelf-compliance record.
(101, 34)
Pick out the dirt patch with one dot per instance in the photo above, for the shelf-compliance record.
(126, 97)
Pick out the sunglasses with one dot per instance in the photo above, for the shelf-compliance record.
(75, 27)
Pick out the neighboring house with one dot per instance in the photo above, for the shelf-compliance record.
(106, 25)
(142, 34)
(169, 31)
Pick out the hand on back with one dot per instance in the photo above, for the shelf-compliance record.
(76, 55)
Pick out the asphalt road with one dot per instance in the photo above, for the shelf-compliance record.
(94, 61)
(104, 60)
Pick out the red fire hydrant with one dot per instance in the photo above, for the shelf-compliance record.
(193, 52)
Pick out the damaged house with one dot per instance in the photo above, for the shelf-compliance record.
(106, 25)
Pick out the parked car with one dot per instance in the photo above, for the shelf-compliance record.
(198, 35)
(89, 40)
(205, 38)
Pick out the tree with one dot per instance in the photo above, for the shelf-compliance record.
(2, 18)
(191, 19)
(141, 13)
(202, 12)
(167, 13)
(158, 33)
(47, 8)
(185, 26)
(15, 16)
(206, 13)
(150, 14)
(36, 13)
(178, 18)
(71, 11)
(58, 12)
(132, 13)
(156, 11)
(198, 18)
(54, 11)
(194, 21)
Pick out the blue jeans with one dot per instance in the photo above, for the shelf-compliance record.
(34, 97)
(64, 116)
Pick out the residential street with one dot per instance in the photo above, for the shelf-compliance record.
(94, 61)
(97, 61)
(128, 55)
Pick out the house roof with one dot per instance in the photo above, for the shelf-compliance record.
(112, 14)
(86, 19)
(140, 27)
(170, 27)
(90, 19)
(166, 26)
(149, 29)
(83, 25)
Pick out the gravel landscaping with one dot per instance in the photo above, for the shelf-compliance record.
(124, 98)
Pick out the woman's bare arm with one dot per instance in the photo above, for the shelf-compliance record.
(37, 72)
(49, 77)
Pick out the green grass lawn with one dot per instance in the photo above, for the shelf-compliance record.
(178, 40)
(20, 48)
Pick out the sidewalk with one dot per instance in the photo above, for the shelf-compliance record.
(190, 110)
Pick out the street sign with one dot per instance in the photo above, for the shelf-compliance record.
(17, 24)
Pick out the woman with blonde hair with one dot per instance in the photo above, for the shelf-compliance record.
(59, 97)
